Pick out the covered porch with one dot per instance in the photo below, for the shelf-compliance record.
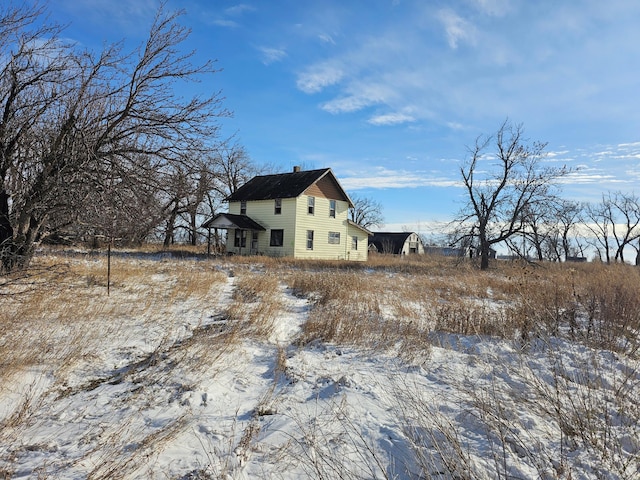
(242, 233)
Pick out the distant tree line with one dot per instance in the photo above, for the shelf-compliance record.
(513, 197)
(101, 144)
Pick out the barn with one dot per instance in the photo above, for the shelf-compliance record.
(396, 243)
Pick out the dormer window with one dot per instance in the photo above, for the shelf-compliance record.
(277, 210)
(311, 205)
(243, 207)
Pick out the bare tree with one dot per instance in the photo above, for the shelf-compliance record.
(366, 212)
(568, 215)
(73, 121)
(231, 167)
(614, 223)
(32, 77)
(598, 219)
(502, 192)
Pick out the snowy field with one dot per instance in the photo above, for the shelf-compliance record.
(207, 369)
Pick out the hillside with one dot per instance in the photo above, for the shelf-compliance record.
(243, 369)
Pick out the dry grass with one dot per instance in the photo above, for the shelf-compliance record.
(55, 318)
(255, 304)
(56, 322)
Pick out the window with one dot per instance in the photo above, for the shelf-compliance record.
(277, 238)
(277, 210)
(311, 204)
(240, 239)
(254, 240)
(332, 208)
(354, 242)
(309, 239)
(334, 238)
(243, 207)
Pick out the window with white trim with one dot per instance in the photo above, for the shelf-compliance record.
(332, 208)
(311, 205)
(354, 242)
(334, 238)
(277, 209)
(309, 239)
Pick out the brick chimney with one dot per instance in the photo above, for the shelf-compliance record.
(296, 168)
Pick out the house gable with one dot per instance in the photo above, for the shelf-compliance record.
(328, 187)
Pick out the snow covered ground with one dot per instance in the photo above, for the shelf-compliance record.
(196, 393)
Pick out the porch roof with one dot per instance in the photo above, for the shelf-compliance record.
(229, 220)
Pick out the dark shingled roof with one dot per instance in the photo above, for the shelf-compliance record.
(242, 222)
(283, 185)
(387, 242)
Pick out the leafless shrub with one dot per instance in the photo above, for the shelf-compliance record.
(611, 300)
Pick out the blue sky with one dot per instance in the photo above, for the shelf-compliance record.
(390, 93)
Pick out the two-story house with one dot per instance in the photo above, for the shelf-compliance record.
(302, 214)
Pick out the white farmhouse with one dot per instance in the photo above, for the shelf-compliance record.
(302, 214)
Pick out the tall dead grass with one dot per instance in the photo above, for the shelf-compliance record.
(255, 304)
(596, 304)
(54, 327)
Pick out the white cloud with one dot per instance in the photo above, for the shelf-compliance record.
(457, 29)
(271, 55)
(363, 94)
(221, 22)
(352, 103)
(239, 9)
(326, 38)
(317, 77)
(385, 178)
(561, 153)
(391, 119)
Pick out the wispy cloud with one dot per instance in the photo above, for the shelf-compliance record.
(386, 178)
(238, 10)
(548, 76)
(457, 29)
(272, 55)
(391, 119)
(352, 103)
(363, 94)
(229, 17)
(315, 78)
(326, 38)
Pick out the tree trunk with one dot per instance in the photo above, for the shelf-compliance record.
(193, 230)
(484, 254)
(22, 246)
(171, 224)
(6, 232)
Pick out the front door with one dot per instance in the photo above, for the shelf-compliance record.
(254, 242)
